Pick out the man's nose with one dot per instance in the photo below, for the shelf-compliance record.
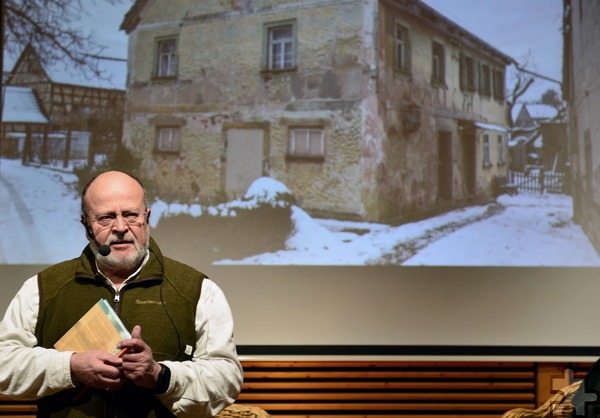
(120, 224)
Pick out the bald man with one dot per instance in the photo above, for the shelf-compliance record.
(181, 359)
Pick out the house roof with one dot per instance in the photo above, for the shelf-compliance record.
(542, 111)
(64, 72)
(133, 16)
(429, 16)
(21, 106)
(531, 114)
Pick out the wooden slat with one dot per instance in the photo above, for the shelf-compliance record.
(388, 375)
(384, 363)
(386, 396)
(476, 386)
(336, 406)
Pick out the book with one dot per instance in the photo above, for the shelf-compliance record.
(99, 328)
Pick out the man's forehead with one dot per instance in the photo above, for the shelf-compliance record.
(106, 193)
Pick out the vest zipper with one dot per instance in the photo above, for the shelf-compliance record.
(117, 302)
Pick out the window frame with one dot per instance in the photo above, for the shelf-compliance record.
(292, 152)
(499, 84)
(402, 60)
(468, 73)
(158, 72)
(487, 160)
(501, 149)
(158, 143)
(438, 63)
(268, 53)
(485, 79)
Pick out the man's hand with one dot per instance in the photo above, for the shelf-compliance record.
(97, 369)
(138, 364)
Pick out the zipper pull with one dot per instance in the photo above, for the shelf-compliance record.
(117, 297)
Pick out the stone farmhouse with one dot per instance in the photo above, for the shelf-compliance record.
(581, 72)
(377, 110)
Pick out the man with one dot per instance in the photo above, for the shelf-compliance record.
(181, 359)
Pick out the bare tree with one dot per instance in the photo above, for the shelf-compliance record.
(52, 28)
(521, 82)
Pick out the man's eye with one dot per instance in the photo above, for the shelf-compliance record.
(131, 216)
(106, 218)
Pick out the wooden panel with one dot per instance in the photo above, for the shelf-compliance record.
(13, 408)
(357, 388)
(384, 389)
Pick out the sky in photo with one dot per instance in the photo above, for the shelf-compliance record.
(528, 31)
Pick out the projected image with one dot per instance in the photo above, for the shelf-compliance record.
(326, 133)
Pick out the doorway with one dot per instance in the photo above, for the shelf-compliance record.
(444, 165)
(243, 159)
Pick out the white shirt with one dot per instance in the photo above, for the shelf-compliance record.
(200, 387)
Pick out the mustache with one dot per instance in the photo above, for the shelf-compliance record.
(121, 240)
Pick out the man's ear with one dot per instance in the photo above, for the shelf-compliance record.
(148, 217)
(88, 229)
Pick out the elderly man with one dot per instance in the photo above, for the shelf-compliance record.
(181, 359)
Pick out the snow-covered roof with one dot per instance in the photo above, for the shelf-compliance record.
(491, 127)
(517, 140)
(21, 106)
(541, 111)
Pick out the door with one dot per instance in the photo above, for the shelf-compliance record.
(243, 159)
(469, 160)
(444, 165)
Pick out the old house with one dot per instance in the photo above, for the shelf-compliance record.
(376, 110)
(581, 72)
(22, 117)
(81, 120)
(539, 138)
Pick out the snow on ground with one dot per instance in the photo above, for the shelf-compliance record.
(40, 224)
(39, 216)
(522, 230)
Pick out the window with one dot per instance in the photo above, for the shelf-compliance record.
(280, 46)
(500, 150)
(306, 142)
(168, 139)
(166, 59)
(438, 67)
(498, 84)
(486, 150)
(485, 80)
(468, 73)
(401, 48)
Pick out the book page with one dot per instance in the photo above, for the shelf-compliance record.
(100, 328)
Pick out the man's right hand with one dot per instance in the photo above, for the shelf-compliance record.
(97, 369)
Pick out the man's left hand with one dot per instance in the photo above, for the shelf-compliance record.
(138, 364)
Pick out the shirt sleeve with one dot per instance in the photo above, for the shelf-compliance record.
(26, 370)
(201, 387)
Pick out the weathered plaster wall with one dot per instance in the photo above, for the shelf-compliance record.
(583, 114)
(220, 72)
(408, 176)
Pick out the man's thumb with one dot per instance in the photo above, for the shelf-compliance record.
(136, 332)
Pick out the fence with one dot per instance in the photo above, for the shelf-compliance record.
(539, 181)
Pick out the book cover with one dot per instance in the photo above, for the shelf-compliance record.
(99, 328)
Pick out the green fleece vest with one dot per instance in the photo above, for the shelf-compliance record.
(162, 299)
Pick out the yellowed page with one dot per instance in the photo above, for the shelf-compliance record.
(99, 328)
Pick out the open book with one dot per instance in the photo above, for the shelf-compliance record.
(100, 328)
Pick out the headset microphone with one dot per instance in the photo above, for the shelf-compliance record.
(103, 249)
